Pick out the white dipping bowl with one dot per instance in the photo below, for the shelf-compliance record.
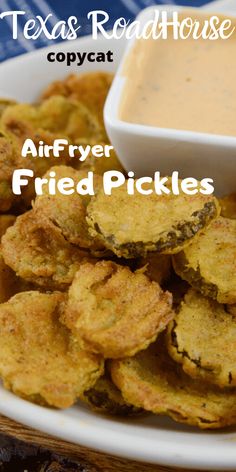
(146, 149)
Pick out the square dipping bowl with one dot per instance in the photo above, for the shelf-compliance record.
(145, 149)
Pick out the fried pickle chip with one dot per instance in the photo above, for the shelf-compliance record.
(212, 355)
(153, 381)
(5, 222)
(115, 312)
(156, 266)
(64, 115)
(68, 212)
(104, 397)
(228, 206)
(39, 360)
(37, 251)
(91, 89)
(133, 225)
(58, 116)
(209, 262)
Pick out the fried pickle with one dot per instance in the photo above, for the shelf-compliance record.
(115, 312)
(91, 89)
(209, 262)
(228, 206)
(37, 251)
(133, 225)
(211, 356)
(104, 397)
(57, 117)
(68, 212)
(153, 381)
(39, 361)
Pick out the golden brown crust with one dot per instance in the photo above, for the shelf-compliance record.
(38, 252)
(202, 337)
(91, 89)
(132, 225)
(38, 359)
(152, 381)
(115, 312)
(209, 262)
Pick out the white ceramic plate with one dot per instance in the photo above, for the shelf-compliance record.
(153, 439)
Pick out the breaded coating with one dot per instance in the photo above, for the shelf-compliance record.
(37, 251)
(39, 361)
(5, 222)
(153, 381)
(209, 262)
(228, 206)
(68, 212)
(57, 117)
(156, 266)
(115, 312)
(90, 88)
(104, 397)
(202, 337)
(133, 225)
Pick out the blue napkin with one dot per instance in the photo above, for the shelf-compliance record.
(62, 9)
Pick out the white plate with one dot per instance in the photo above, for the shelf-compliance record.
(153, 439)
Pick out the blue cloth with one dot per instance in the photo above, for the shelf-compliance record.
(62, 9)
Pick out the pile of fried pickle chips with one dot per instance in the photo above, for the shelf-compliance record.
(125, 302)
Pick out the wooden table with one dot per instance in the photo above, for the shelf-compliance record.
(100, 462)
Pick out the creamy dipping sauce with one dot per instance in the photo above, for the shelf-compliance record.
(182, 84)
